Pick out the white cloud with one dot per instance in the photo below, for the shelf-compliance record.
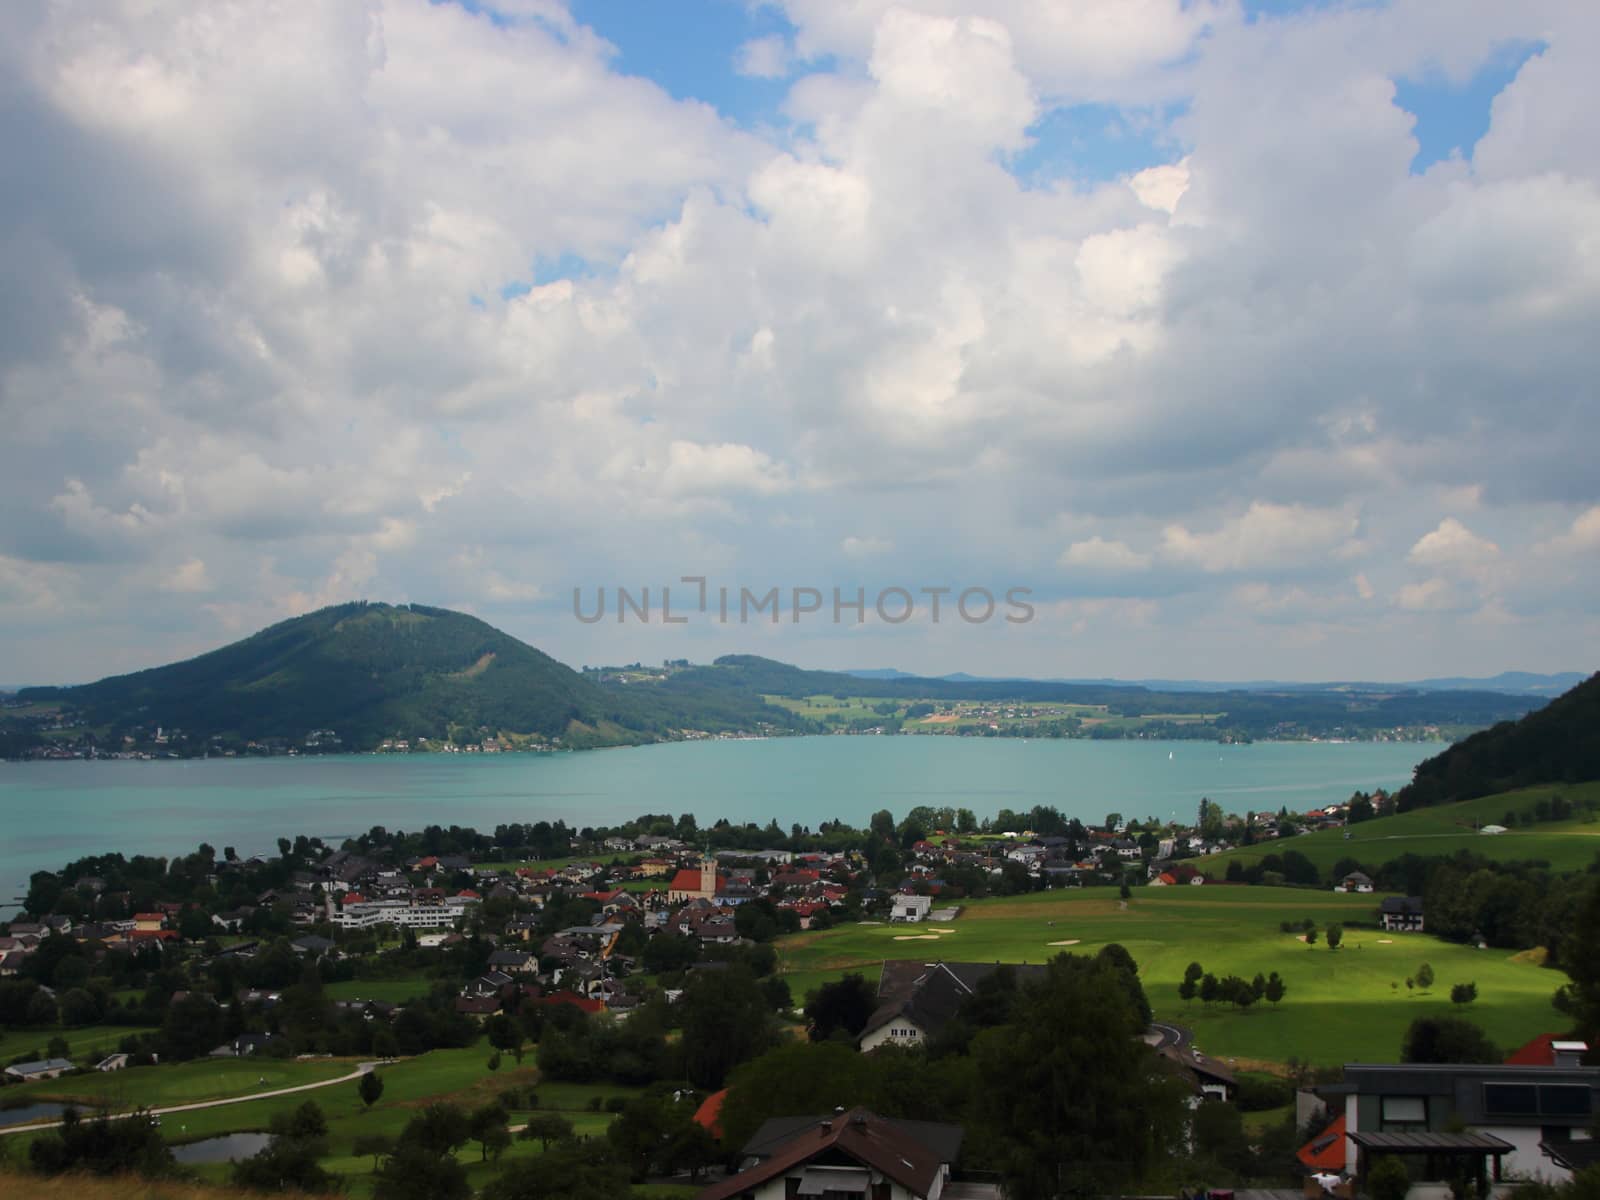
(1430, 595)
(1097, 554)
(1264, 537)
(1453, 547)
(769, 57)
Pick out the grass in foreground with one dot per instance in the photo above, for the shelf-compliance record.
(1343, 1005)
(1443, 830)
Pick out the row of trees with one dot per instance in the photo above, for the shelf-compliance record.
(1230, 989)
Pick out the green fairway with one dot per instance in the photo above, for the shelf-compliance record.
(87, 1044)
(390, 991)
(1444, 829)
(1349, 1004)
(184, 1083)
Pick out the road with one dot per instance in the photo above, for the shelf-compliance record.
(1171, 1035)
(361, 1069)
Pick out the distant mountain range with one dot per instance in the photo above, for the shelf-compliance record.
(1511, 683)
(350, 676)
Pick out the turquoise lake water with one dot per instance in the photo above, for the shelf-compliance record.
(52, 812)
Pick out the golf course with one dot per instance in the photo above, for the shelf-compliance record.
(1343, 1005)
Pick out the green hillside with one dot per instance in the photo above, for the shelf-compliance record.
(370, 671)
(1559, 743)
(1444, 829)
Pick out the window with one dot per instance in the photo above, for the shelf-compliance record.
(1403, 1114)
(1537, 1100)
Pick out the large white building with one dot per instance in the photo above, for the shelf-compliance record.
(395, 912)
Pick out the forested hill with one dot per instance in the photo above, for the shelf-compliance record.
(1255, 714)
(370, 671)
(1559, 743)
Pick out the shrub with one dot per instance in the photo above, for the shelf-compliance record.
(1388, 1179)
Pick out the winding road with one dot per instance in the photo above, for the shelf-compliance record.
(361, 1069)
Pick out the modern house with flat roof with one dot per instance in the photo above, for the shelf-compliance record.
(1429, 1114)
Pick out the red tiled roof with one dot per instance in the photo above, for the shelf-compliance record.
(1537, 1053)
(706, 1116)
(469, 894)
(155, 916)
(354, 898)
(689, 881)
(1325, 1152)
(583, 1003)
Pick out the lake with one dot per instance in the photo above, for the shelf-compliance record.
(53, 812)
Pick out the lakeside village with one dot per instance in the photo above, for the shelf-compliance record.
(592, 944)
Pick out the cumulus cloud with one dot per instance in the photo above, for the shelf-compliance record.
(1264, 537)
(1453, 547)
(305, 308)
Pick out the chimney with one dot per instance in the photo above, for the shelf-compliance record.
(827, 1128)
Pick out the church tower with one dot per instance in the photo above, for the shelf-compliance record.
(708, 876)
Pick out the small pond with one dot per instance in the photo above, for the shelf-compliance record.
(31, 1112)
(227, 1148)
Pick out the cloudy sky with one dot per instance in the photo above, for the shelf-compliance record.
(1257, 339)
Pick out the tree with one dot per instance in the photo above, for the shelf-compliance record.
(571, 1171)
(1580, 958)
(1464, 993)
(1210, 989)
(370, 1088)
(414, 1172)
(1118, 957)
(1311, 936)
(375, 1144)
(547, 1127)
(1424, 977)
(1275, 988)
(725, 1021)
(438, 1128)
(488, 1126)
(1068, 1086)
(285, 1164)
(1447, 1040)
(505, 1033)
(1388, 1179)
(1335, 935)
(306, 1123)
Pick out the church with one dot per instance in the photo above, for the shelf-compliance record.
(690, 884)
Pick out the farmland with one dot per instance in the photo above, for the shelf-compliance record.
(1342, 1005)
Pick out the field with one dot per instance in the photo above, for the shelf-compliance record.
(390, 991)
(1343, 1005)
(87, 1042)
(185, 1083)
(1445, 829)
(457, 1075)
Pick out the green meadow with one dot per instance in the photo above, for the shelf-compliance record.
(84, 1043)
(1344, 1005)
(183, 1083)
(1445, 829)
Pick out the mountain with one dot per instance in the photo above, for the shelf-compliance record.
(1559, 743)
(366, 672)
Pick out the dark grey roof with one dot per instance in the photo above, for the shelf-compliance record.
(1402, 905)
(930, 994)
(1498, 1094)
(1574, 1156)
(1431, 1143)
(943, 1140)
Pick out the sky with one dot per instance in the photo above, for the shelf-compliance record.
(1234, 339)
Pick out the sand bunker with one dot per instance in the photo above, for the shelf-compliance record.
(1068, 942)
(869, 922)
(936, 929)
(1385, 941)
(916, 937)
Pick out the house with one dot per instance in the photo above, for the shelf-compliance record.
(855, 1153)
(112, 1062)
(1401, 914)
(917, 1000)
(1549, 1050)
(243, 1046)
(478, 1007)
(1356, 881)
(910, 908)
(1433, 1114)
(44, 1068)
(1210, 1079)
(513, 962)
(149, 922)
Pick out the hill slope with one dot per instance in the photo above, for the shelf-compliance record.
(1559, 743)
(367, 671)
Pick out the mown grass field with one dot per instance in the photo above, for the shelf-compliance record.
(1445, 829)
(1343, 1005)
(182, 1083)
(88, 1042)
(391, 991)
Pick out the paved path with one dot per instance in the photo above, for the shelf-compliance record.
(360, 1070)
(1171, 1035)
